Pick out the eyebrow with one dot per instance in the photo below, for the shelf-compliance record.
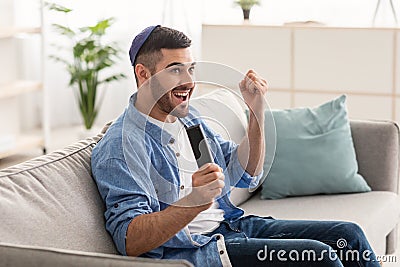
(178, 64)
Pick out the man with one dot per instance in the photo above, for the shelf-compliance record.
(159, 205)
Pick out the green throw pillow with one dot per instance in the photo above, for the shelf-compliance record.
(314, 153)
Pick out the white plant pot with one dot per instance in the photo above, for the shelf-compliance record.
(86, 133)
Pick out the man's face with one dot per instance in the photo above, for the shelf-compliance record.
(172, 83)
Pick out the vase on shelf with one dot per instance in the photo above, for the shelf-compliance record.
(246, 6)
(246, 14)
(84, 133)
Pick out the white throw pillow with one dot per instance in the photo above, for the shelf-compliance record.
(223, 110)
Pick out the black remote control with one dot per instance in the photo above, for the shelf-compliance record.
(199, 145)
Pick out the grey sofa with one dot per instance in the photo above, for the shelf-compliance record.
(52, 214)
(377, 212)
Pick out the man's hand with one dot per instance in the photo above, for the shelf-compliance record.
(207, 184)
(253, 89)
(251, 150)
(148, 231)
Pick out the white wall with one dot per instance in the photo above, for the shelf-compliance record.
(186, 15)
(330, 12)
(131, 18)
(9, 112)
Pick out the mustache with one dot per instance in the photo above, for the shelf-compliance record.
(182, 87)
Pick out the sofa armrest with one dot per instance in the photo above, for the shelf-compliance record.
(377, 149)
(19, 256)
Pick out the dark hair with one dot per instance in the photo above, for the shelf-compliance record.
(161, 37)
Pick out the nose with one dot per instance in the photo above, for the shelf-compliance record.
(188, 79)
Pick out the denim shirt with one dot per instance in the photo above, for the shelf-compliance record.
(136, 173)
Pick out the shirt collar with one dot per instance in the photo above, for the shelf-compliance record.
(140, 120)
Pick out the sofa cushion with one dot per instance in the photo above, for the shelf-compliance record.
(52, 201)
(369, 210)
(377, 140)
(21, 256)
(314, 153)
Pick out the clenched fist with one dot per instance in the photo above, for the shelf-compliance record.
(207, 184)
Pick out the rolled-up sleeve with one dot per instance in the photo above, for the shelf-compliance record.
(123, 197)
(235, 169)
(239, 176)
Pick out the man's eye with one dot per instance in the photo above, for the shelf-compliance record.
(175, 70)
(191, 70)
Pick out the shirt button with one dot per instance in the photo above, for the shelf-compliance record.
(116, 205)
(218, 237)
(172, 140)
(177, 154)
(221, 252)
(182, 187)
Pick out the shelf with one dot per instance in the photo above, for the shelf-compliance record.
(13, 32)
(23, 143)
(22, 83)
(298, 25)
(18, 88)
(332, 92)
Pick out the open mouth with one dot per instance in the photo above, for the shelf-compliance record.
(181, 96)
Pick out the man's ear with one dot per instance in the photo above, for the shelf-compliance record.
(142, 73)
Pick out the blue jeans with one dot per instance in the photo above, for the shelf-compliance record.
(256, 241)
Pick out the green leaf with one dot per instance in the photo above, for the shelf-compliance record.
(101, 26)
(247, 4)
(59, 59)
(63, 30)
(60, 47)
(83, 48)
(56, 7)
(115, 77)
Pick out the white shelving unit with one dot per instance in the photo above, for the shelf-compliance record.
(20, 94)
(308, 65)
(13, 32)
(19, 87)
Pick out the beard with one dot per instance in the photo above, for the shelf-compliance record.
(166, 104)
(167, 101)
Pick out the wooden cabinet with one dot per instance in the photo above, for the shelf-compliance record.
(306, 66)
(21, 89)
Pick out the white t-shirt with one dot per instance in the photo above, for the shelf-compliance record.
(207, 220)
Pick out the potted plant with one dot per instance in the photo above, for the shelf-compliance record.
(89, 58)
(246, 6)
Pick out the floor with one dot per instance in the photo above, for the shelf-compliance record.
(65, 136)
